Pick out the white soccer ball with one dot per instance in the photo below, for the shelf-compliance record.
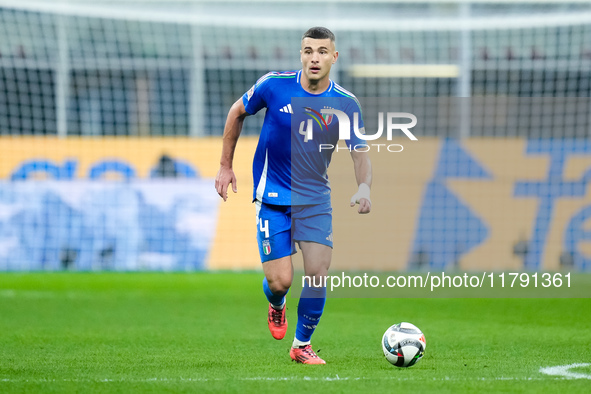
(403, 344)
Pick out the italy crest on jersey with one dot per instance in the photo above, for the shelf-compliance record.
(328, 117)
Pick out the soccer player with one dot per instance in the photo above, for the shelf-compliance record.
(291, 188)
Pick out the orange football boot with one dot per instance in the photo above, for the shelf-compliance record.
(305, 355)
(277, 322)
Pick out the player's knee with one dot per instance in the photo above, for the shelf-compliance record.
(280, 285)
(317, 272)
(318, 278)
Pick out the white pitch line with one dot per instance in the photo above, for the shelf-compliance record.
(563, 370)
(268, 379)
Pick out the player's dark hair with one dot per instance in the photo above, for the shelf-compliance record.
(319, 33)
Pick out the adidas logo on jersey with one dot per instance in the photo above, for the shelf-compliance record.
(287, 109)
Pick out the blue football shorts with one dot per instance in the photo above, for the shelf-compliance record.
(279, 227)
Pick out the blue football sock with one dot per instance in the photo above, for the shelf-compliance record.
(310, 309)
(274, 299)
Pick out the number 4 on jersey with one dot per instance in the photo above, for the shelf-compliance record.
(308, 133)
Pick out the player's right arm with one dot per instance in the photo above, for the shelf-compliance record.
(232, 131)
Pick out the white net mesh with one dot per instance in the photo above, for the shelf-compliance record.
(173, 68)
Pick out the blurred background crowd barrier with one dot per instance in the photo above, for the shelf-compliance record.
(111, 114)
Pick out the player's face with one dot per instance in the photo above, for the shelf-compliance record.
(317, 56)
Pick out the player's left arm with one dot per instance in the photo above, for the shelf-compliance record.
(362, 166)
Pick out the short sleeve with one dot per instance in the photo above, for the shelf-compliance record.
(254, 100)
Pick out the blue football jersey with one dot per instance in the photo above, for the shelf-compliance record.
(291, 160)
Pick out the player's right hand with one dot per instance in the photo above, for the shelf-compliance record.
(223, 179)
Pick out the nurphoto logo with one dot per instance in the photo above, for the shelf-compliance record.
(307, 129)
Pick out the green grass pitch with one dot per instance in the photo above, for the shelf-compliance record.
(206, 332)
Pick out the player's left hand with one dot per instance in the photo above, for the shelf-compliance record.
(362, 198)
